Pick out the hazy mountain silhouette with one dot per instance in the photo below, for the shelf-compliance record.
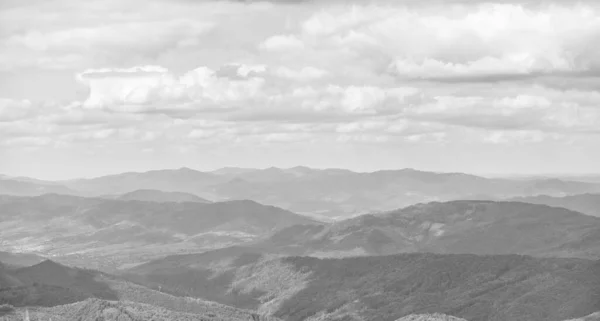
(327, 192)
(169, 180)
(149, 195)
(10, 186)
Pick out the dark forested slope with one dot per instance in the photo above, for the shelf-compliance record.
(477, 288)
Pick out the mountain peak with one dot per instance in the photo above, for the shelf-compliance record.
(47, 263)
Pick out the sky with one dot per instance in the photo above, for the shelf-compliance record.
(89, 88)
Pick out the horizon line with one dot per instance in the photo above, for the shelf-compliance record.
(210, 171)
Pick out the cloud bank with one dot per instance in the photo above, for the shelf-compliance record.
(185, 76)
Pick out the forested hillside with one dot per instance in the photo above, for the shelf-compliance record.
(476, 288)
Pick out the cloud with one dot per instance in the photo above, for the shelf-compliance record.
(275, 43)
(185, 75)
(303, 74)
(519, 137)
(462, 41)
(11, 110)
(118, 42)
(550, 111)
(150, 87)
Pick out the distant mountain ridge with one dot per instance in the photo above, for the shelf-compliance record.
(149, 195)
(336, 193)
(10, 186)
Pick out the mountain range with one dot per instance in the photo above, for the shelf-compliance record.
(300, 244)
(330, 193)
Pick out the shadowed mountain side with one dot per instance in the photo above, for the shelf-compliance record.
(52, 273)
(588, 204)
(51, 284)
(100, 233)
(477, 288)
(478, 227)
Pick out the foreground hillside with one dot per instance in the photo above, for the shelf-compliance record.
(102, 233)
(95, 310)
(478, 227)
(476, 288)
(49, 284)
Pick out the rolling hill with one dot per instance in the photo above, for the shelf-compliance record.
(588, 204)
(101, 233)
(386, 288)
(477, 227)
